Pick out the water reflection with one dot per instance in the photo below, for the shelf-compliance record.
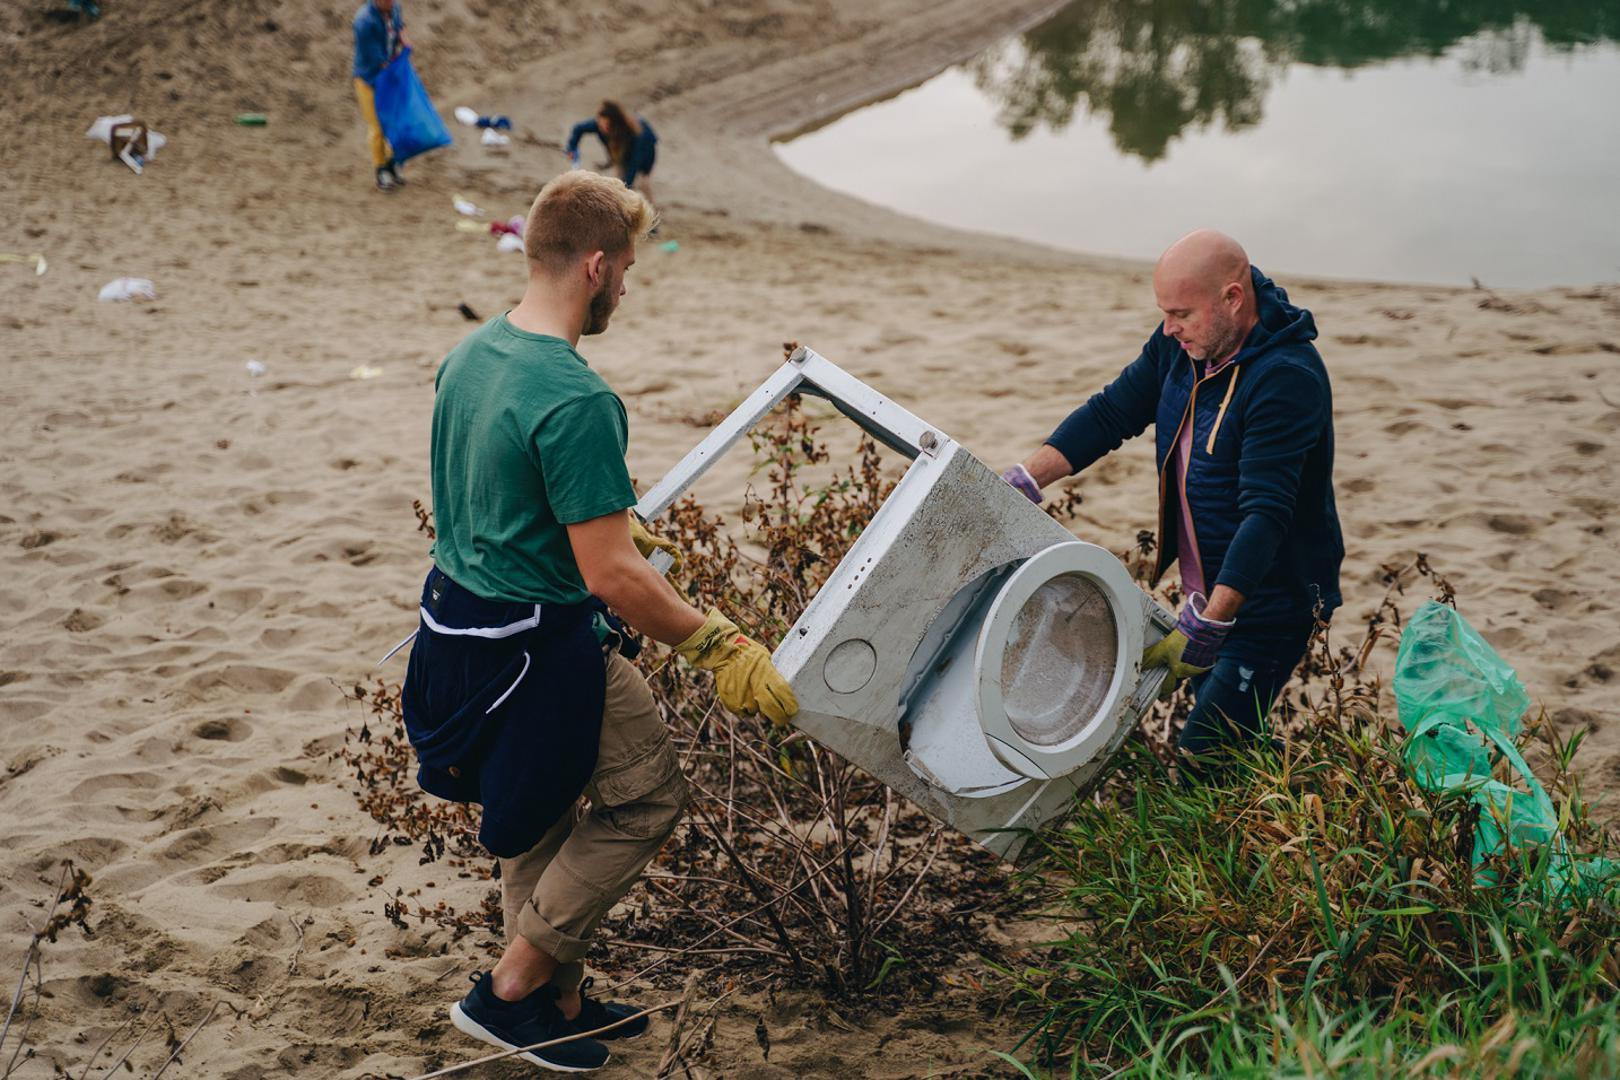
(1156, 68)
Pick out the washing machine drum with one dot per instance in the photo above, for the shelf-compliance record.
(1056, 659)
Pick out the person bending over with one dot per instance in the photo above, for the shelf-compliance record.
(631, 143)
(1243, 417)
(517, 696)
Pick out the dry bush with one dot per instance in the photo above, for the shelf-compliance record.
(791, 860)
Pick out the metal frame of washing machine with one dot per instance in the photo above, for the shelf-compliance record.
(896, 658)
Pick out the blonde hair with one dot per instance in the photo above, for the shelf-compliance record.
(583, 212)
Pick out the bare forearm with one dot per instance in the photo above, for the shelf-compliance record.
(1047, 464)
(640, 596)
(1223, 604)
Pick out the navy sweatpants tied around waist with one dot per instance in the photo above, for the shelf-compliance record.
(503, 703)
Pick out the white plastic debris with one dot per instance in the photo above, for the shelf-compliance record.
(128, 288)
(255, 368)
(508, 242)
(37, 259)
(466, 206)
(365, 371)
(101, 131)
(491, 137)
(466, 115)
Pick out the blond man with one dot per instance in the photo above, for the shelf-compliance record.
(517, 697)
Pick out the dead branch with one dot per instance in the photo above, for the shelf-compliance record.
(671, 1051)
(209, 1015)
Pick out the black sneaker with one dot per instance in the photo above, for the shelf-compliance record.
(595, 1014)
(386, 181)
(535, 1019)
(393, 170)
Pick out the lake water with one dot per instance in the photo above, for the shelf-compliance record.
(1422, 141)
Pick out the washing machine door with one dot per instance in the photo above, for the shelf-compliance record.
(1058, 658)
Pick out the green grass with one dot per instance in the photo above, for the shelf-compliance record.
(1313, 914)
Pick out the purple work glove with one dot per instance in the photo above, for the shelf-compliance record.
(1204, 636)
(1019, 477)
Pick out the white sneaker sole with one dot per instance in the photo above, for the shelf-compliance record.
(468, 1026)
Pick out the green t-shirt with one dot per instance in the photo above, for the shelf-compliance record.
(527, 439)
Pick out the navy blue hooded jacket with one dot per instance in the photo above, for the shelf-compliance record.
(1260, 478)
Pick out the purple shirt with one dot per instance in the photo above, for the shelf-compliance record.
(1192, 568)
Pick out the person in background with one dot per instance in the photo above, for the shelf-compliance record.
(379, 36)
(1243, 411)
(631, 143)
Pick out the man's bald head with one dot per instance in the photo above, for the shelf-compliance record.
(1202, 285)
(1205, 257)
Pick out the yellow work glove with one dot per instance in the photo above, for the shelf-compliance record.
(647, 543)
(744, 677)
(1191, 648)
(1167, 652)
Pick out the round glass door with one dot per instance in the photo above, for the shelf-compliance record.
(1056, 659)
(1059, 663)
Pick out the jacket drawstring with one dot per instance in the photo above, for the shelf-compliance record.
(1220, 414)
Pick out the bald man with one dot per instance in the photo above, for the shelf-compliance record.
(1243, 416)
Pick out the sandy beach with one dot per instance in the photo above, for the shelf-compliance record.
(199, 562)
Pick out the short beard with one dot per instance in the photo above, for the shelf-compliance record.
(600, 311)
(1227, 344)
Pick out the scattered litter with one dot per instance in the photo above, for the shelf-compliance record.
(467, 312)
(365, 371)
(508, 242)
(513, 225)
(491, 137)
(252, 119)
(670, 246)
(469, 116)
(466, 206)
(129, 139)
(255, 368)
(128, 288)
(471, 226)
(36, 258)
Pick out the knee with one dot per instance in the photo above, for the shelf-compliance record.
(654, 815)
(670, 803)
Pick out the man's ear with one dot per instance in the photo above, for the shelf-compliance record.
(596, 268)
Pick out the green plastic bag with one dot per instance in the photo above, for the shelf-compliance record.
(1462, 705)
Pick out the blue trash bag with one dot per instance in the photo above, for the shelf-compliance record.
(409, 122)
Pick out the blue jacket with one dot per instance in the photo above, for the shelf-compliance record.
(376, 39)
(638, 159)
(1260, 479)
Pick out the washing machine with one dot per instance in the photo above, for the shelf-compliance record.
(968, 651)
